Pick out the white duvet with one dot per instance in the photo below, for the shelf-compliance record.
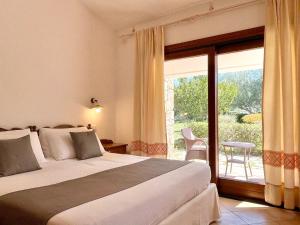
(147, 203)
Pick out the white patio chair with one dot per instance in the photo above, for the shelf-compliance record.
(196, 148)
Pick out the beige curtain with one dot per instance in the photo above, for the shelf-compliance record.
(149, 111)
(281, 103)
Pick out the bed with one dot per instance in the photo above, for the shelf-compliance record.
(182, 196)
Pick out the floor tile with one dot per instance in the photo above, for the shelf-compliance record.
(283, 214)
(236, 212)
(244, 206)
(228, 203)
(254, 216)
(290, 222)
(230, 219)
(224, 210)
(267, 223)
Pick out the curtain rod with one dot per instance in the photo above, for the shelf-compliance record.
(211, 11)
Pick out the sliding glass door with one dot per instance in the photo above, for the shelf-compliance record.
(186, 103)
(214, 86)
(240, 76)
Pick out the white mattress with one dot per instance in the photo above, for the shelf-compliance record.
(147, 203)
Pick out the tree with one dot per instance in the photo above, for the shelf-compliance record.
(191, 97)
(227, 93)
(249, 97)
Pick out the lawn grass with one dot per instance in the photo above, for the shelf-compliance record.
(177, 129)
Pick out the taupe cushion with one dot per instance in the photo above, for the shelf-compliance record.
(16, 156)
(86, 144)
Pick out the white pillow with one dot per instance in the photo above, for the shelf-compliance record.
(44, 142)
(57, 143)
(36, 147)
(100, 144)
(35, 143)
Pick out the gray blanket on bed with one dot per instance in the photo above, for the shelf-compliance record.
(37, 206)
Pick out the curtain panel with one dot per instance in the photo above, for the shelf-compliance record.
(149, 107)
(281, 103)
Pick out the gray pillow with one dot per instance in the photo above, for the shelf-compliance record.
(16, 156)
(86, 144)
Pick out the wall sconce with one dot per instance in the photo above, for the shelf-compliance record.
(95, 105)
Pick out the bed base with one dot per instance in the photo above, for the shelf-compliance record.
(201, 210)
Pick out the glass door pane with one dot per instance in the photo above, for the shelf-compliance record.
(186, 103)
(240, 76)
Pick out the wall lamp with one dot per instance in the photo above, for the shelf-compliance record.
(95, 105)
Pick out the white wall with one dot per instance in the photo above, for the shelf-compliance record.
(54, 56)
(230, 21)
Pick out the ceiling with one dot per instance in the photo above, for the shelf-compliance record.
(122, 14)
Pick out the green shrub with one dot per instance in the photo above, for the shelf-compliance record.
(233, 132)
(200, 129)
(252, 118)
(239, 117)
(179, 143)
(227, 119)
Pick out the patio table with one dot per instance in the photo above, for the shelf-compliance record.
(246, 147)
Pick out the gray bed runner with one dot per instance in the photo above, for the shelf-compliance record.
(38, 205)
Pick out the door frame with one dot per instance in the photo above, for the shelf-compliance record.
(212, 46)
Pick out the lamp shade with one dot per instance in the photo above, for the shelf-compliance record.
(98, 108)
(95, 105)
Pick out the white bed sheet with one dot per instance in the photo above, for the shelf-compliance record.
(147, 203)
(201, 210)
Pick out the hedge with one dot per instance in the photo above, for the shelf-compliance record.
(230, 132)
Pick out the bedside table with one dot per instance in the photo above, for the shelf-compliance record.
(114, 147)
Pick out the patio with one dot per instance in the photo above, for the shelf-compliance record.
(237, 173)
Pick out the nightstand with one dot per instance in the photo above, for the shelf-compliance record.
(114, 147)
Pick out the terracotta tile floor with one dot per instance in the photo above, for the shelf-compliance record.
(239, 213)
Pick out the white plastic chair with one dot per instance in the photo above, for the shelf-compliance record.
(196, 148)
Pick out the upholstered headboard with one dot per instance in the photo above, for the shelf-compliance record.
(62, 126)
(32, 128)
